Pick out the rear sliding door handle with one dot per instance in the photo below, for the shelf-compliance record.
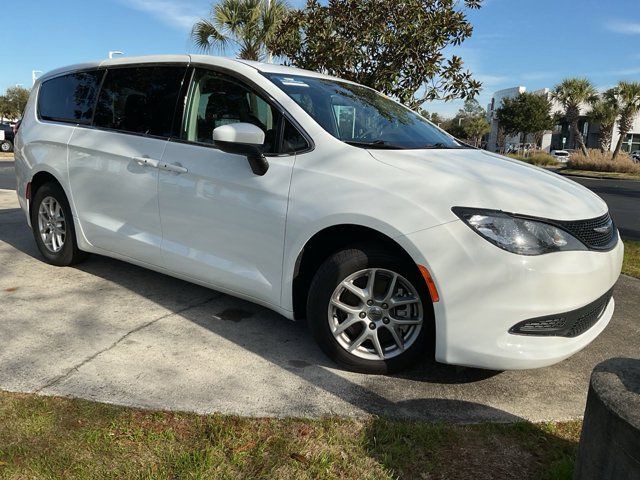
(146, 161)
(170, 167)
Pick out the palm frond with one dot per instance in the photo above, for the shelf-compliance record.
(206, 36)
(248, 23)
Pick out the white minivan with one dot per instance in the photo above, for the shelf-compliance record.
(320, 199)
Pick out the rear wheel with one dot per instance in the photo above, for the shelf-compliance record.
(369, 311)
(52, 225)
(6, 146)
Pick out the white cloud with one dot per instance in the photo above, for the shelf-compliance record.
(175, 13)
(625, 27)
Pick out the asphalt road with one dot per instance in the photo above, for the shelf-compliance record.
(623, 198)
(112, 332)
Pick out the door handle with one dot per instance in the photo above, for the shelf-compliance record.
(170, 167)
(146, 161)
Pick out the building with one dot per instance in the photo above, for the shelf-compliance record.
(561, 137)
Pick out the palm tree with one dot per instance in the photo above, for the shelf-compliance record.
(571, 93)
(605, 111)
(628, 96)
(247, 23)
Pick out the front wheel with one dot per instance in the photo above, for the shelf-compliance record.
(370, 311)
(6, 146)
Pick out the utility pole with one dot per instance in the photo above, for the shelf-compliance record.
(34, 76)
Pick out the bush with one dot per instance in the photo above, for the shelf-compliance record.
(602, 162)
(538, 158)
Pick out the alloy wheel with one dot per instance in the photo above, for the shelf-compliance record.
(375, 314)
(51, 224)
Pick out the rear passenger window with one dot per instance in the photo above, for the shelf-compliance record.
(69, 98)
(140, 100)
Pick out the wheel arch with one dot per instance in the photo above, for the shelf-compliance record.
(326, 242)
(39, 179)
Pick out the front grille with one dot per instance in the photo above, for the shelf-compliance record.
(586, 231)
(569, 324)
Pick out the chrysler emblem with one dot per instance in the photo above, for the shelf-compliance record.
(604, 229)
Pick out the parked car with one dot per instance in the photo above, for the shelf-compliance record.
(6, 137)
(635, 155)
(320, 199)
(561, 155)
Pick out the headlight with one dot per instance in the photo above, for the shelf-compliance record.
(515, 234)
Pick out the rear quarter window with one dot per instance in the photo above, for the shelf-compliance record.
(69, 98)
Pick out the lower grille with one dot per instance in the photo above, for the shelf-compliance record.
(569, 324)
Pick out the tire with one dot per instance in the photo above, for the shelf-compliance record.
(325, 317)
(60, 253)
(6, 146)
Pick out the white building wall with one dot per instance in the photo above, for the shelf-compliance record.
(492, 142)
(616, 133)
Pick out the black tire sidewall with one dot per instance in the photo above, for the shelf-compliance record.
(334, 270)
(69, 252)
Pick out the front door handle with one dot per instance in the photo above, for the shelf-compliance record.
(170, 167)
(146, 161)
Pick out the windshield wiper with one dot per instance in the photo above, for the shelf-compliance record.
(442, 146)
(375, 144)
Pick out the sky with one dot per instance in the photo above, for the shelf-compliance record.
(533, 43)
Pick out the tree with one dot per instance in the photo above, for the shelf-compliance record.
(476, 128)
(454, 127)
(472, 119)
(434, 117)
(394, 47)
(247, 23)
(13, 102)
(469, 123)
(5, 108)
(472, 108)
(605, 111)
(527, 113)
(571, 93)
(628, 97)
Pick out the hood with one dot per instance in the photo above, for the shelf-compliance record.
(476, 178)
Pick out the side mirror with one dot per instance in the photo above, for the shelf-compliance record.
(243, 139)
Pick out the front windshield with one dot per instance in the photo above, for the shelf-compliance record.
(360, 116)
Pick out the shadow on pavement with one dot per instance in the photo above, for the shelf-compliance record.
(288, 344)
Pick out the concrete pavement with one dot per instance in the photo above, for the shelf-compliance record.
(112, 332)
(7, 174)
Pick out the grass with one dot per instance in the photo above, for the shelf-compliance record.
(631, 263)
(6, 155)
(48, 437)
(539, 158)
(602, 162)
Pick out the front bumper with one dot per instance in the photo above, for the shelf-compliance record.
(484, 291)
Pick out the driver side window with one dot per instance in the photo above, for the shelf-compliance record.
(216, 99)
